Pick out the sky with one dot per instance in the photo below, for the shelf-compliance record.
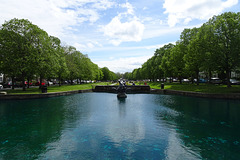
(118, 34)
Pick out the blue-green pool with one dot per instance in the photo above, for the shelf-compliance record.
(100, 126)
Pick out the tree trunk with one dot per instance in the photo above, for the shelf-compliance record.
(59, 81)
(28, 80)
(228, 78)
(13, 81)
(40, 83)
(197, 74)
(23, 83)
(209, 75)
(180, 79)
(192, 78)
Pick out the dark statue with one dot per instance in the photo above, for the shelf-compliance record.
(121, 90)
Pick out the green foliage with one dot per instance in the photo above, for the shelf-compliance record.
(20, 47)
(213, 47)
(177, 61)
(227, 33)
(108, 75)
(26, 51)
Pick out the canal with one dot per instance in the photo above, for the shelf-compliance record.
(100, 126)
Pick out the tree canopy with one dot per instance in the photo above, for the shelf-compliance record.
(26, 51)
(213, 47)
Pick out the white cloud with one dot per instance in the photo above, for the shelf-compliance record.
(123, 64)
(187, 10)
(103, 4)
(80, 47)
(54, 16)
(123, 31)
(131, 29)
(145, 8)
(129, 8)
(88, 46)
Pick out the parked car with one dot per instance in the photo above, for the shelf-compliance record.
(186, 80)
(20, 84)
(202, 80)
(30, 83)
(38, 83)
(65, 82)
(175, 80)
(233, 82)
(215, 81)
(50, 83)
(7, 84)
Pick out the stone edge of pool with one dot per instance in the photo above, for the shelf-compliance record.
(152, 91)
(43, 95)
(197, 94)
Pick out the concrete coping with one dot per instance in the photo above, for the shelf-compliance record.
(235, 96)
(43, 95)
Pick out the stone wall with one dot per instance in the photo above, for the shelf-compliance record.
(43, 95)
(197, 94)
(129, 89)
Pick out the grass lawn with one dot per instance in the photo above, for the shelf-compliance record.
(204, 88)
(56, 88)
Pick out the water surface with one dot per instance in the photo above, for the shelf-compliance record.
(100, 126)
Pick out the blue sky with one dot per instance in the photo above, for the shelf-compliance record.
(120, 35)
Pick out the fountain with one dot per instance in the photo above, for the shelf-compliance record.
(121, 90)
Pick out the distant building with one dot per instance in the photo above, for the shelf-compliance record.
(235, 75)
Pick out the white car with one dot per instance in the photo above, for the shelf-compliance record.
(50, 83)
(1, 86)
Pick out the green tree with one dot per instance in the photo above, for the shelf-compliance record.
(166, 65)
(60, 69)
(177, 61)
(8, 49)
(18, 48)
(47, 57)
(98, 73)
(72, 62)
(207, 41)
(196, 53)
(106, 74)
(227, 32)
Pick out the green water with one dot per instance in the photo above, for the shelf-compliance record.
(100, 126)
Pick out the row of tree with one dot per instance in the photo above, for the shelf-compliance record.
(213, 47)
(26, 51)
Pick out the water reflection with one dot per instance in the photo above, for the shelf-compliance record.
(122, 100)
(127, 126)
(122, 107)
(27, 126)
(208, 127)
